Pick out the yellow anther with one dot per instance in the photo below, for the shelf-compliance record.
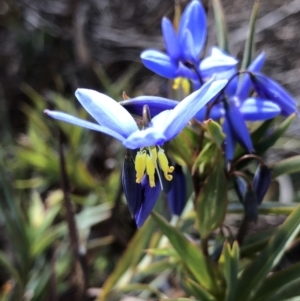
(153, 151)
(164, 164)
(183, 83)
(140, 165)
(150, 170)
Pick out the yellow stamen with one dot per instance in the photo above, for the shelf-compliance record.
(164, 164)
(140, 165)
(150, 168)
(154, 153)
(181, 82)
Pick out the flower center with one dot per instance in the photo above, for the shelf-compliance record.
(146, 161)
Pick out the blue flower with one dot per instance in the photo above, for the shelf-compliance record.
(235, 105)
(116, 121)
(183, 48)
(239, 109)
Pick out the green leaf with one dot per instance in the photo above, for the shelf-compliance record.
(286, 166)
(249, 47)
(256, 272)
(182, 147)
(179, 299)
(6, 263)
(191, 255)
(197, 291)
(256, 135)
(256, 242)
(276, 282)
(216, 133)
(211, 202)
(156, 268)
(271, 139)
(204, 158)
(221, 27)
(129, 259)
(229, 262)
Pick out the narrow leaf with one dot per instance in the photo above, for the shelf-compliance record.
(221, 27)
(200, 266)
(197, 291)
(249, 47)
(257, 271)
(215, 131)
(286, 166)
(271, 139)
(276, 282)
(211, 202)
(129, 259)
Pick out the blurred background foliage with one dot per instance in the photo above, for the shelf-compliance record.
(50, 48)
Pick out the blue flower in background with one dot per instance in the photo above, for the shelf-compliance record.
(116, 121)
(237, 108)
(183, 47)
(270, 101)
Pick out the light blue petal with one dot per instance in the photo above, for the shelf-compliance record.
(194, 20)
(245, 83)
(218, 61)
(255, 109)
(159, 120)
(107, 112)
(159, 62)
(83, 123)
(156, 104)
(170, 38)
(187, 108)
(147, 137)
(221, 65)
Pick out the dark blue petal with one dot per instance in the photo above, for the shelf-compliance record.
(238, 126)
(149, 198)
(240, 186)
(194, 20)
(245, 84)
(230, 141)
(250, 204)
(170, 38)
(184, 71)
(187, 49)
(261, 182)
(256, 109)
(159, 63)
(132, 190)
(156, 104)
(216, 112)
(269, 89)
(177, 193)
